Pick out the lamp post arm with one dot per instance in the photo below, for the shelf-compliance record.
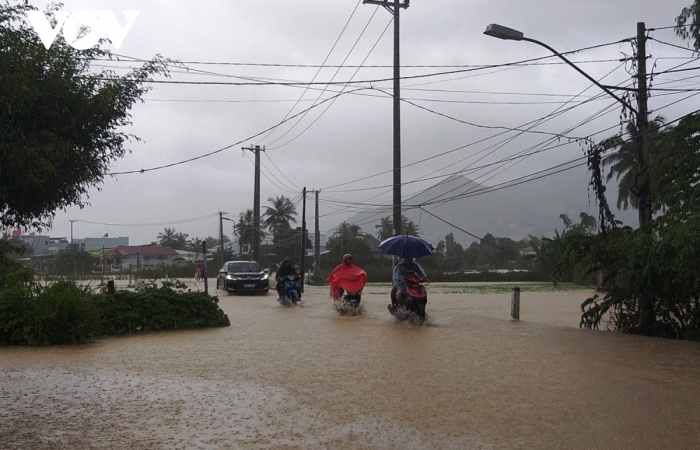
(608, 91)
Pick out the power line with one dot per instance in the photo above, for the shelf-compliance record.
(268, 178)
(409, 77)
(159, 224)
(671, 45)
(228, 146)
(278, 169)
(326, 87)
(346, 66)
(319, 69)
(530, 124)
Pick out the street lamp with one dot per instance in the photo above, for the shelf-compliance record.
(509, 34)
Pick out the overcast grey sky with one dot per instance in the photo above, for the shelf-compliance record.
(353, 138)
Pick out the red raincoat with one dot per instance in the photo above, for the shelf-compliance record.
(349, 277)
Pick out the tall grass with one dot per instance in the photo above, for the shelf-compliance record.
(62, 313)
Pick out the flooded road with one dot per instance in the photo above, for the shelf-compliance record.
(306, 378)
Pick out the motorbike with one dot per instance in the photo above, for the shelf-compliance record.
(291, 295)
(417, 298)
(349, 303)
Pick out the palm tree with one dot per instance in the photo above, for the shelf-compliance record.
(280, 213)
(623, 163)
(193, 245)
(348, 231)
(180, 241)
(245, 229)
(167, 237)
(386, 228)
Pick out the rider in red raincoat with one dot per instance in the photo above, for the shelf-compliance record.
(347, 277)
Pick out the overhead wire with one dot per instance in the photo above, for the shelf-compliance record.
(319, 69)
(332, 78)
(158, 224)
(188, 160)
(672, 45)
(278, 169)
(374, 81)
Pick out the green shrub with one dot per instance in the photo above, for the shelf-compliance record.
(152, 308)
(62, 313)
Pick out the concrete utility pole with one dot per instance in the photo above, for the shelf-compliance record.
(256, 202)
(204, 268)
(643, 185)
(394, 9)
(71, 230)
(221, 238)
(317, 241)
(303, 238)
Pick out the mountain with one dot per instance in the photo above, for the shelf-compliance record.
(531, 208)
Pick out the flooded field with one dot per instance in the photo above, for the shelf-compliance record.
(306, 378)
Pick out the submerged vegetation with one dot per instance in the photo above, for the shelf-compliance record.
(33, 313)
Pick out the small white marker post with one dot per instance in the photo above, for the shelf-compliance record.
(515, 304)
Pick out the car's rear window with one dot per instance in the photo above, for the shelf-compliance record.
(238, 267)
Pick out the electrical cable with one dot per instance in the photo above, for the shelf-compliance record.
(370, 81)
(228, 146)
(159, 224)
(326, 87)
(278, 169)
(318, 71)
(671, 45)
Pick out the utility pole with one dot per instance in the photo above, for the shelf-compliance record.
(221, 238)
(394, 9)
(256, 202)
(644, 182)
(303, 238)
(204, 269)
(643, 186)
(317, 241)
(71, 230)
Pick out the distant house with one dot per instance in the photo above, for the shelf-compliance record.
(38, 244)
(527, 251)
(141, 256)
(105, 242)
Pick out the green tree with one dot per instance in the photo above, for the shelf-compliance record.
(69, 262)
(688, 24)
(348, 238)
(652, 274)
(453, 249)
(167, 238)
(279, 214)
(386, 228)
(62, 120)
(180, 241)
(244, 230)
(194, 245)
(623, 162)
(588, 224)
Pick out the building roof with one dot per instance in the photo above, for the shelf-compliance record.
(144, 250)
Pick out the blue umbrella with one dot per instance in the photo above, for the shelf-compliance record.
(406, 246)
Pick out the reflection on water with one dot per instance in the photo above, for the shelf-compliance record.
(306, 377)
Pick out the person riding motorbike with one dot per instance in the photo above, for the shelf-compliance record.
(287, 268)
(397, 261)
(346, 277)
(405, 269)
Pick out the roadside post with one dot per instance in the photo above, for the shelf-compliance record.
(515, 304)
(204, 271)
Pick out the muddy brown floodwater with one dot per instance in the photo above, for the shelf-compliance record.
(306, 378)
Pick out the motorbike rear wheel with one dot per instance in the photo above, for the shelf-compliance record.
(294, 297)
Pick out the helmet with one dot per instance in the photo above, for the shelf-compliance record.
(287, 259)
(347, 256)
